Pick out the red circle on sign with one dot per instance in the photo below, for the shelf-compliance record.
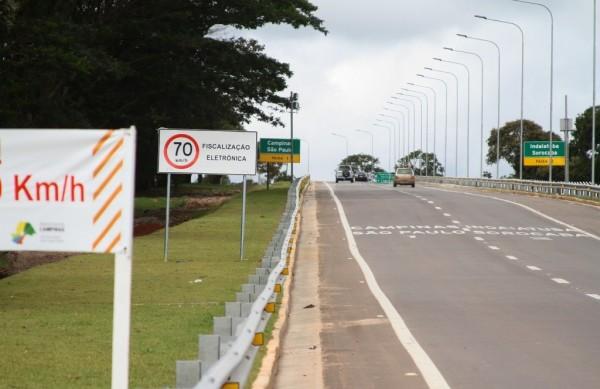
(174, 164)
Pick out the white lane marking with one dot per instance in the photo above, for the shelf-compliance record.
(589, 234)
(560, 281)
(430, 372)
(447, 215)
(512, 257)
(413, 237)
(494, 247)
(438, 208)
(455, 222)
(594, 296)
(430, 202)
(479, 238)
(539, 238)
(410, 374)
(534, 268)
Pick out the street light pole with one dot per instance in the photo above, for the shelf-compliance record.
(399, 135)
(499, 96)
(594, 105)
(421, 121)
(414, 111)
(468, 105)
(551, 78)
(419, 94)
(434, 126)
(345, 138)
(456, 128)
(372, 140)
(389, 143)
(395, 128)
(482, 94)
(522, 84)
(446, 117)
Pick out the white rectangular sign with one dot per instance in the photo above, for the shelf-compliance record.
(65, 190)
(207, 152)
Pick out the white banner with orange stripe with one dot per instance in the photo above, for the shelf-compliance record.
(66, 190)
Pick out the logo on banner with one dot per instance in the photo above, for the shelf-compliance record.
(181, 151)
(23, 229)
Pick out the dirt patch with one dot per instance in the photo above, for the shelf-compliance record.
(151, 221)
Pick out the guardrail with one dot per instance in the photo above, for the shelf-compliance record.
(226, 357)
(581, 190)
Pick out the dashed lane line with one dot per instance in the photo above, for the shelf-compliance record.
(494, 247)
(560, 281)
(530, 209)
(430, 372)
(594, 296)
(534, 268)
(512, 257)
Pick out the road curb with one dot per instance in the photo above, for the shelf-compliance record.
(270, 363)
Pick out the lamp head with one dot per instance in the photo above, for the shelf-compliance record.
(410, 83)
(420, 75)
(448, 48)
(462, 35)
(481, 17)
(428, 68)
(438, 59)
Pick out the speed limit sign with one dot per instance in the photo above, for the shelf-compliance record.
(181, 151)
(207, 152)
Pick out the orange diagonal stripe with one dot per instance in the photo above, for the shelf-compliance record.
(108, 179)
(107, 203)
(107, 229)
(102, 141)
(112, 244)
(108, 157)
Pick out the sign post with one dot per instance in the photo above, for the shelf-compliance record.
(207, 152)
(167, 217)
(73, 191)
(537, 153)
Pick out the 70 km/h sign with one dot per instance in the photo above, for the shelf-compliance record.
(207, 152)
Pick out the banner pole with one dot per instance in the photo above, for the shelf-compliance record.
(167, 217)
(123, 271)
(243, 226)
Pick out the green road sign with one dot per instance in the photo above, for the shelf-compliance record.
(537, 153)
(278, 146)
(278, 150)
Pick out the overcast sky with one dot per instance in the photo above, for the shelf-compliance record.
(374, 48)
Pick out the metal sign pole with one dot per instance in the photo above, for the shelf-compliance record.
(243, 225)
(167, 217)
(123, 275)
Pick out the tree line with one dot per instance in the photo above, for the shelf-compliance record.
(151, 63)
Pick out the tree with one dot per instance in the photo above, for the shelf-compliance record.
(510, 151)
(581, 147)
(273, 169)
(152, 63)
(422, 163)
(364, 162)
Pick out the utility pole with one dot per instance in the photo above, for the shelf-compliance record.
(566, 126)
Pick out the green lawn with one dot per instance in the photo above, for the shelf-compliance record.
(57, 319)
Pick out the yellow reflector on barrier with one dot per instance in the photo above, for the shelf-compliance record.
(259, 339)
(270, 307)
(285, 271)
(231, 385)
(277, 288)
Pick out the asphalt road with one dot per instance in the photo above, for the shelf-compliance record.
(485, 290)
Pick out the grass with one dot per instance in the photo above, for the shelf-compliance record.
(57, 318)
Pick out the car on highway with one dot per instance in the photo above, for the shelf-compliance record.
(404, 176)
(362, 176)
(344, 173)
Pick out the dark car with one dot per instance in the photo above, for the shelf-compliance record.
(362, 176)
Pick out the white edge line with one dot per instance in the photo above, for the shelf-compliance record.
(429, 371)
(525, 207)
